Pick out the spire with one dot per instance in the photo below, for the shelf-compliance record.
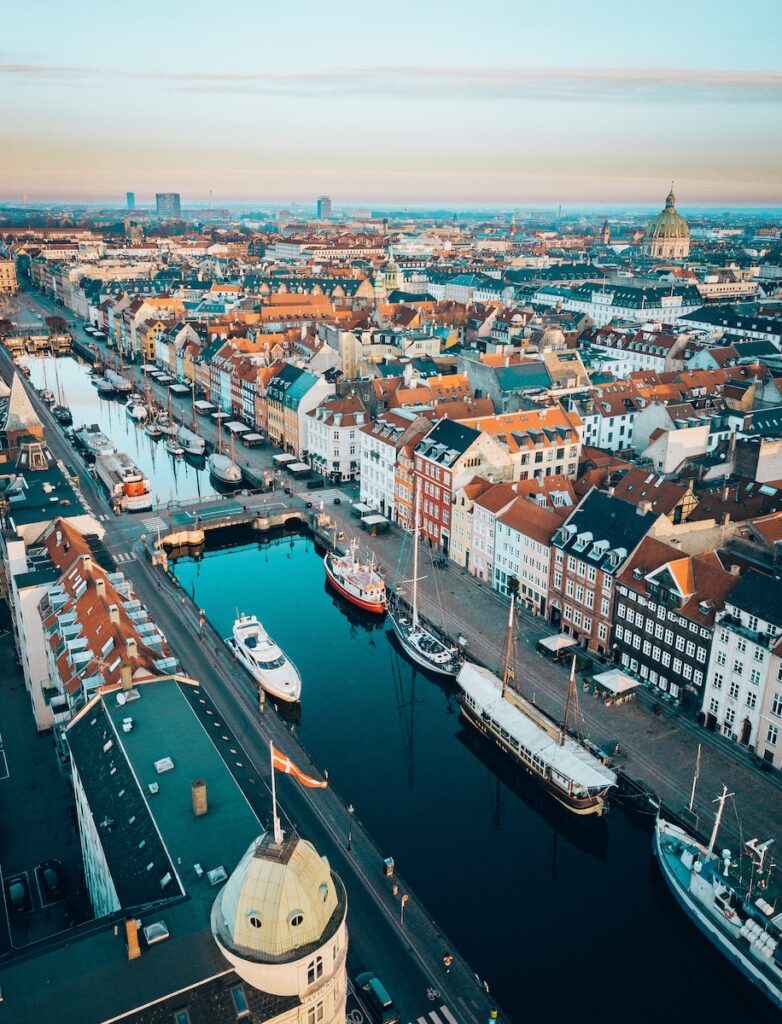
(670, 201)
(21, 416)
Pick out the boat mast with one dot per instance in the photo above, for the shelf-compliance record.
(415, 558)
(695, 777)
(192, 399)
(570, 689)
(721, 802)
(507, 667)
(219, 435)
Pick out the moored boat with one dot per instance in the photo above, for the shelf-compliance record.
(118, 383)
(152, 429)
(224, 469)
(129, 490)
(192, 443)
(173, 447)
(742, 926)
(422, 644)
(561, 763)
(136, 410)
(356, 581)
(47, 396)
(266, 662)
(93, 442)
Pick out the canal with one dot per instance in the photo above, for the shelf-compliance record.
(171, 477)
(566, 918)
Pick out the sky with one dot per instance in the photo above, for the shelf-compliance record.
(504, 102)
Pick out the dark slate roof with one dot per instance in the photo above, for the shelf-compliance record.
(115, 798)
(401, 296)
(446, 441)
(637, 296)
(213, 1003)
(758, 595)
(607, 519)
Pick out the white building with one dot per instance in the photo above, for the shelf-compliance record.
(334, 435)
(742, 697)
(379, 445)
(522, 550)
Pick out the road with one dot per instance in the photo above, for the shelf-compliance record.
(403, 945)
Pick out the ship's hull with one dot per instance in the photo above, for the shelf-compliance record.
(450, 668)
(287, 687)
(224, 470)
(576, 805)
(374, 607)
(703, 922)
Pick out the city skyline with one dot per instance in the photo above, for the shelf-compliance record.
(537, 108)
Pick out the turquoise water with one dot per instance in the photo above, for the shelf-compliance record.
(171, 478)
(566, 918)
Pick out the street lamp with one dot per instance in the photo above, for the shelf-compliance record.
(351, 812)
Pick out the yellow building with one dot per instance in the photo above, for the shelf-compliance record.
(8, 283)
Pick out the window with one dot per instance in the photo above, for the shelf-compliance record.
(752, 699)
(315, 1013)
(602, 631)
(240, 1001)
(772, 735)
(776, 705)
(181, 1017)
(690, 649)
(606, 581)
(741, 644)
(666, 659)
(701, 654)
(658, 631)
(754, 677)
(604, 607)
(314, 970)
(714, 706)
(679, 642)
(677, 666)
(738, 667)
(697, 678)
(734, 689)
(647, 648)
(619, 631)
(591, 574)
(730, 716)
(720, 657)
(296, 919)
(758, 654)
(669, 636)
(718, 680)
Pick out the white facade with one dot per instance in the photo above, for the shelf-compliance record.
(333, 442)
(743, 691)
(378, 469)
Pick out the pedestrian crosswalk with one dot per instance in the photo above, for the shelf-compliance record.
(124, 556)
(105, 517)
(442, 1015)
(155, 523)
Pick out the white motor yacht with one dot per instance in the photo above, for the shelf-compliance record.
(266, 662)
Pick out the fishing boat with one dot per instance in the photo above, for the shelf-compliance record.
(422, 644)
(62, 414)
(223, 469)
(742, 925)
(129, 490)
(105, 387)
(266, 662)
(356, 581)
(152, 429)
(47, 395)
(136, 410)
(173, 447)
(561, 763)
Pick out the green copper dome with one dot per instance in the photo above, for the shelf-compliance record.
(669, 224)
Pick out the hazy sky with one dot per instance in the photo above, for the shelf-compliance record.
(490, 101)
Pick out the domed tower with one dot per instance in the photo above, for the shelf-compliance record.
(280, 921)
(668, 236)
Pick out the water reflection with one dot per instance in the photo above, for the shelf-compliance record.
(171, 477)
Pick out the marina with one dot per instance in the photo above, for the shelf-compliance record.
(170, 478)
(378, 724)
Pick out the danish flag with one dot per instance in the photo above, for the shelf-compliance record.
(282, 763)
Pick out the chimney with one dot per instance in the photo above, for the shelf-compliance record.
(734, 570)
(86, 562)
(100, 587)
(131, 936)
(126, 676)
(114, 614)
(131, 647)
(198, 794)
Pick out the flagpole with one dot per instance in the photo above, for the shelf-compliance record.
(275, 819)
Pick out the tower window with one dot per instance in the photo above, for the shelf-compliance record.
(254, 918)
(314, 970)
(240, 1002)
(296, 919)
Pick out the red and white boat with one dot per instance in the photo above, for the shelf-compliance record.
(358, 582)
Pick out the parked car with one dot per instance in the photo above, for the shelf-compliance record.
(52, 879)
(18, 895)
(338, 501)
(377, 1002)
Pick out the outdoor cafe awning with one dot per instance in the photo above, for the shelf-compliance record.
(616, 681)
(557, 643)
(237, 427)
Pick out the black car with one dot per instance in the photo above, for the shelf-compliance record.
(338, 501)
(52, 880)
(377, 1002)
(17, 893)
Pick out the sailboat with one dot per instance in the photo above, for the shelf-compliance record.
(422, 644)
(563, 765)
(60, 410)
(192, 442)
(740, 923)
(223, 469)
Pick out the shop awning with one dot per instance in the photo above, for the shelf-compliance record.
(557, 643)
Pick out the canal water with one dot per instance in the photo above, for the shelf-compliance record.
(566, 918)
(171, 477)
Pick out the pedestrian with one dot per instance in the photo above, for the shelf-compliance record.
(447, 961)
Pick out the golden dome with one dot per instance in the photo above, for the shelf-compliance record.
(668, 224)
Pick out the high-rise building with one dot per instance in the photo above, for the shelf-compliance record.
(324, 208)
(130, 198)
(169, 205)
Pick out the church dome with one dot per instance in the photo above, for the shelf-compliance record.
(668, 224)
(281, 901)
